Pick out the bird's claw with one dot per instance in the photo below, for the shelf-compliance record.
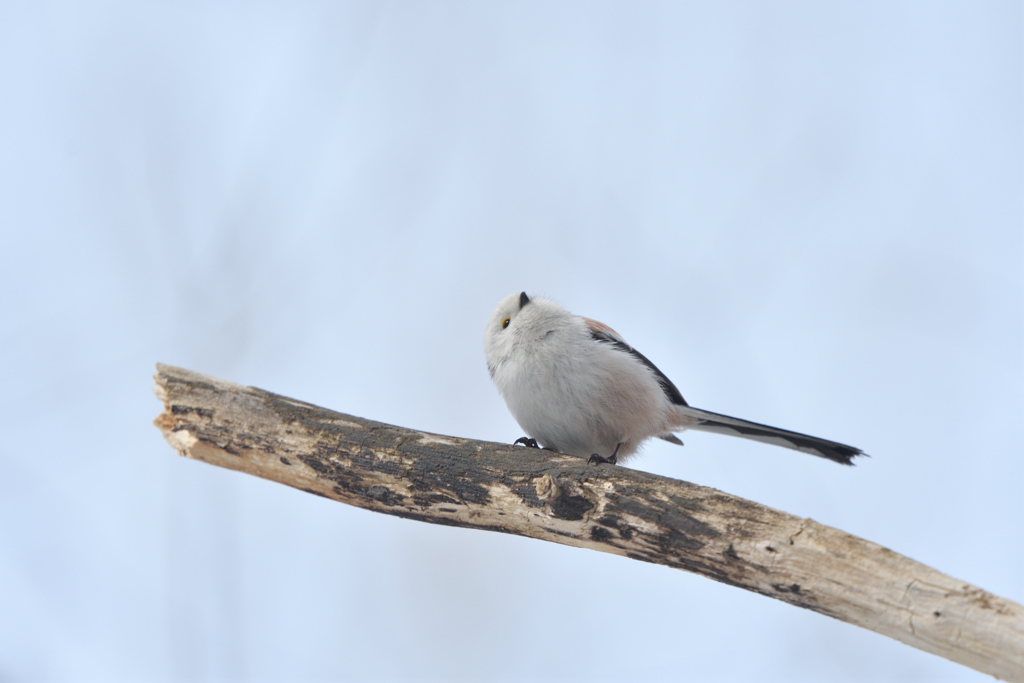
(611, 459)
(526, 441)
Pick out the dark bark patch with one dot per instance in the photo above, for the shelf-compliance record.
(177, 409)
(230, 448)
(430, 500)
(571, 508)
(674, 539)
(686, 503)
(665, 515)
(384, 495)
(613, 522)
(687, 524)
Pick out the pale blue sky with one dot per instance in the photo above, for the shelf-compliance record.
(809, 215)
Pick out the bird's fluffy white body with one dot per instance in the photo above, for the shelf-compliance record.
(575, 386)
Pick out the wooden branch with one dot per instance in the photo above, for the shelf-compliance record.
(524, 491)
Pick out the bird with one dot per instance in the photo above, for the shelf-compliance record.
(576, 387)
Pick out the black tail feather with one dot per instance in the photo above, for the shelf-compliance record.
(723, 424)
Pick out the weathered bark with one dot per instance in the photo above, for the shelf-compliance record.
(524, 491)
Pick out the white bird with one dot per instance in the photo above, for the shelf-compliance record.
(575, 386)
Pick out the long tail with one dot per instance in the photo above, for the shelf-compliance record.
(723, 424)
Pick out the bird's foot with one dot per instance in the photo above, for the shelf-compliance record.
(526, 441)
(596, 459)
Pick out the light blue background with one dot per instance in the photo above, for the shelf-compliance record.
(807, 214)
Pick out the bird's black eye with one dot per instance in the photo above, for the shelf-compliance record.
(505, 322)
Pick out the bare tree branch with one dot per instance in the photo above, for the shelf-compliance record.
(524, 491)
